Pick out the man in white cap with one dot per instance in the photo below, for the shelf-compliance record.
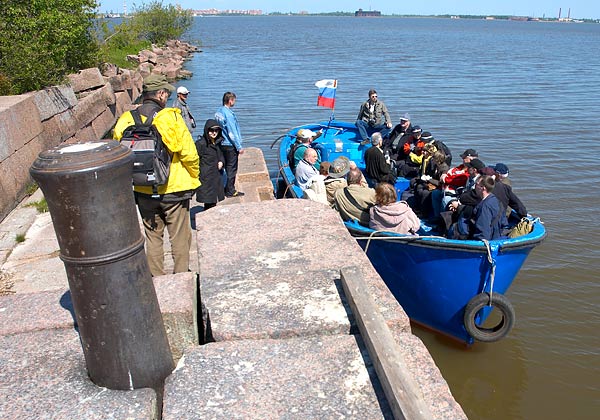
(304, 138)
(181, 103)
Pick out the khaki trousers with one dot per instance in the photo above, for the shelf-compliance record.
(156, 215)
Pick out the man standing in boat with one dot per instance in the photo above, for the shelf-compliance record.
(372, 117)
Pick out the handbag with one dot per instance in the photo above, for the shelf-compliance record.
(524, 227)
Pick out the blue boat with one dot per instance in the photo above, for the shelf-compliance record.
(450, 286)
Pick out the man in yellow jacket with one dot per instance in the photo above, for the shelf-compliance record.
(171, 207)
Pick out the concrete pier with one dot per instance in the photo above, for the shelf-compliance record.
(282, 339)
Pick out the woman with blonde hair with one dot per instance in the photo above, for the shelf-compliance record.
(391, 215)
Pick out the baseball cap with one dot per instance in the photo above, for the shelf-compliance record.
(469, 153)
(305, 133)
(154, 82)
(183, 90)
(475, 163)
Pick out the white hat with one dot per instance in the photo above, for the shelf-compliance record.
(305, 133)
(183, 90)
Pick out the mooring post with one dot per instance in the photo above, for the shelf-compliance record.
(88, 190)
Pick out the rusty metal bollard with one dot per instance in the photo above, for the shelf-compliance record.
(88, 190)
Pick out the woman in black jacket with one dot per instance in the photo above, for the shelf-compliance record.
(211, 189)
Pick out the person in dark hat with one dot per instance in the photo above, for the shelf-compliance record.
(475, 168)
(410, 156)
(392, 143)
(502, 171)
(169, 207)
(454, 181)
(469, 154)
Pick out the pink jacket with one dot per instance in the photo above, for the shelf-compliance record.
(396, 217)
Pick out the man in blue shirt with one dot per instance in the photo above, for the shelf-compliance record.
(232, 142)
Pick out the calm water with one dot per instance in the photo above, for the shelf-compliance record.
(523, 93)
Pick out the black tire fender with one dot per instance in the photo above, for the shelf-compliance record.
(498, 332)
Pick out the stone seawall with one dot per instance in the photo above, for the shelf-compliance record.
(84, 109)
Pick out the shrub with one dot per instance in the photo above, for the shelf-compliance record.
(44, 40)
(149, 24)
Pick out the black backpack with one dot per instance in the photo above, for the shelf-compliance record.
(291, 153)
(151, 158)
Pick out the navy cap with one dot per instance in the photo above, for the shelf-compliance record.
(501, 168)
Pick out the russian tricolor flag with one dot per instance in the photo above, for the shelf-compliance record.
(327, 89)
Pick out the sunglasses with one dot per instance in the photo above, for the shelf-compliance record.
(214, 130)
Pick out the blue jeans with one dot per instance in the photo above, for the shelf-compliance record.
(365, 130)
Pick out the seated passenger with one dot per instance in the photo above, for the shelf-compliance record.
(427, 191)
(439, 145)
(392, 143)
(502, 170)
(354, 201)
(377, 167)
(391, 215)
(486, 220)
(306, 168)
(456, 179)
(304, 139)
(488, 216)
(410, 157)
(334, 174)
(363, 180)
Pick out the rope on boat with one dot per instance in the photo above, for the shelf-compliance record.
(392, 238)
(493, 267)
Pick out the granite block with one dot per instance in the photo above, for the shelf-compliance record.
(178, 300)
(326, 377)
(19, 123)
(280, 276)
(54, 100)
(86, 79)
(28, 312)
(43, 376)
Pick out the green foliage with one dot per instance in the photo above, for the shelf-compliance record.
(19, 237)
(157, 23)
(44, 40)
(151, 23)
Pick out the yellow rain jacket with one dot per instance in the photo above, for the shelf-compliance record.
(185, 169)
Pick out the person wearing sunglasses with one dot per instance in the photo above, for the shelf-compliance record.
(373, 116)
(211, 189)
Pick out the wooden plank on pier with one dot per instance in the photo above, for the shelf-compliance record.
(401, 390)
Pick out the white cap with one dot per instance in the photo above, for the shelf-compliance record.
(305, 133)
(183, 90)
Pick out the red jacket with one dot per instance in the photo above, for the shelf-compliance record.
(456, 177)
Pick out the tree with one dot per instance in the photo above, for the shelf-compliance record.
(157, 23)
(44, 40)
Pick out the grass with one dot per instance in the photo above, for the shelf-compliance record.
(20, 237)
(41, 205)
(118, 55)
(31, 188)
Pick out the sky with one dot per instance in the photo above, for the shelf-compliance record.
(580, 9)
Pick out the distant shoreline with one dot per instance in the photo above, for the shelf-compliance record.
(351, 14)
